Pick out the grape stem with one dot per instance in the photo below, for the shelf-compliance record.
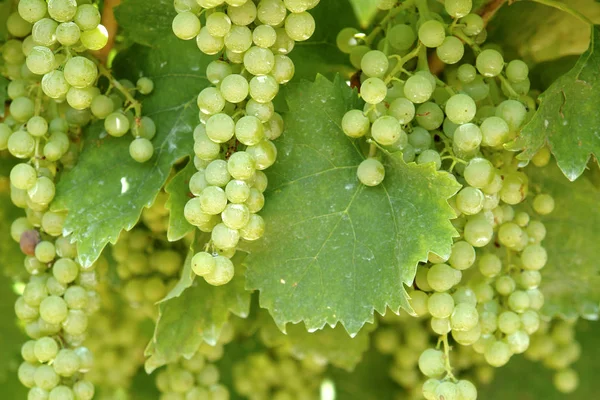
(565, 8)
(137, 106)
(391, 14)
(403, 60)
(444, 340)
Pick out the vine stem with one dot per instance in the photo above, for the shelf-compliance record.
(565, 8)
(447, 357)
(391, 14)
(137, 106)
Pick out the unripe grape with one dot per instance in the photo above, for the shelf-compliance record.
(371, 172)
(432, 33)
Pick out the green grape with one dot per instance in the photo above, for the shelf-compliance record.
(490, 63)
(495, 132)
(235, 216)
(478, 231)
(283, 43)
(373, 90)
(32, 10)
(464, 317)
(55, 85)
(264, 88)
(207, 43)
(356, 55)
(536, 230)
(81, 99)
(543, 204)
(259, 61)
(505, 285)
(218, 24)
(203, 263)
(430, 156)
(65, 270)
(264, 36)
(45, 349)
(37, 126)
(254, 229)
(284, 69)
(470, 201)
(461, 109)
(442, 277)
(271, 12)
(24, 311)
(497, 354)
(84, 390)
(53, 310)
(216, 173)
(249, 130)
(141, 149)
(239, 39)
(220, 128)
(477, 89)
(518, 301)
(62, 10)
(509, 322)
(102, 106)
(473, 24)
(355, 124)
(234, 88)
(446, 390)
(237, 191)
(440, 304)
(386, 130)
(451, 50)
(116, 124)
(440, 326)
(432, 363)
(420, 139)
(299, 26)
(418, 89)
(346, 40)
(243, 14)
(430, 116)
(80, 72)
(76, 322)
(186, 25)
(458, 8)
(45, 251)
(67, 363)
(205, 148)
(513, 113)
(566, 380)
(401, 37)
(221, 275)
(76, 297)
(21, 109)
(23, 176)
(241, 165)
(374, 64)
(479, 172)
(197, 183)
(467, 73)
(466, 390)
(40, 60)
(432, 33)
(490, 265)
(462, 256)
(534, 257)
(212, 201)
(370, 172)
(467, 137)
(514, 188)
(517, 71)
(42, 192)
(530, 321)
(95, 39)
(45, 377)
(44, 32)
(264, 154)
(145, 85)
(402, 109)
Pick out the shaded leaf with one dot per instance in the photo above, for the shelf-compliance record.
(571, 279)
(108, 190)
(335, 250)
(146, 22)
(178, 192)
(567, 119)
(196, 315)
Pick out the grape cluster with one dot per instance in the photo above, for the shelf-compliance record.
(53, 59)
(147, 267)
(238, 122)
(554, 344)
(485, 294)
(196, 378)
(156, 217)
(266, 376)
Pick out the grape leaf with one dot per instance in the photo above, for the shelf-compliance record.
(335, 250)
(330, 344)
(108, 190)
(178, 192)
(571, 279)
(146, 22)
(567, 120)
(320, 53)
(365, 11)
(192, 315)
(538, 33)
(508, 381)
(5, 8)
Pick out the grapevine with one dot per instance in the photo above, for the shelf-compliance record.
(299, 199)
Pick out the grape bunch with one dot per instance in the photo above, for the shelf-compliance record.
(485, 294)
(233, 143)
(54, 59)
(196, 378)
(148, 269)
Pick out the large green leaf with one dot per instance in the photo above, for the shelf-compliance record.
(365, 11)
(329, 344)
(509, 382)
(107, 190)
(335, 250)
(146, 22)
(320, 54)
(178, 192)
(538, 33)
(571, 279)
(195, 312)
(568, 120)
